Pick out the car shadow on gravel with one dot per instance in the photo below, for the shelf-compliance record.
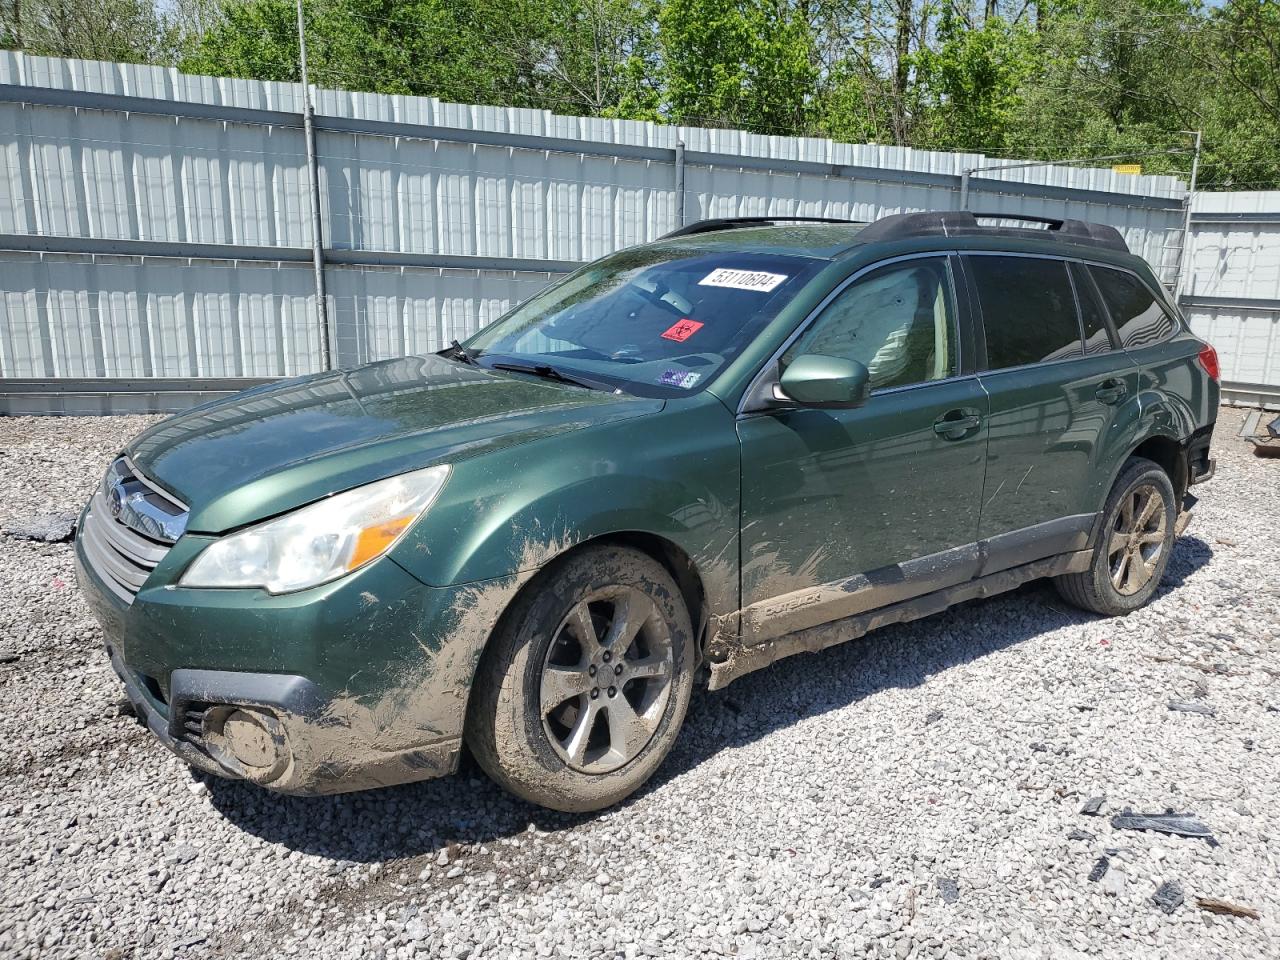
(405, 822)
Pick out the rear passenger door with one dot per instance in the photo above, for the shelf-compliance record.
(1057, 388)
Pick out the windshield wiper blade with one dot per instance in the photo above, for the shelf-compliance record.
(548, 372)
(458, 352)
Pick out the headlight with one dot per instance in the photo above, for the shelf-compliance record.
(320, 542)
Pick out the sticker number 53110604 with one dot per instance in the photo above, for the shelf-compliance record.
(756, 280)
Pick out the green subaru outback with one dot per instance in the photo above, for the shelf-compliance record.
(681, 463)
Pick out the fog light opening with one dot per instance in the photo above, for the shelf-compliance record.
(246, 741)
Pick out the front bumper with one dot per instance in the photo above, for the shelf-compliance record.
(356, 684)
(311, 755)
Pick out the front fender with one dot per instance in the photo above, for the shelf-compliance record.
(672, 474)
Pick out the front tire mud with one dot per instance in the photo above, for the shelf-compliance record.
(583, 689)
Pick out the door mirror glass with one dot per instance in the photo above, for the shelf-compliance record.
(814, 380)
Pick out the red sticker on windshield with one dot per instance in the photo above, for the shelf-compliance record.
(682, 331)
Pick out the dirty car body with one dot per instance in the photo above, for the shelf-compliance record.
(642, 403)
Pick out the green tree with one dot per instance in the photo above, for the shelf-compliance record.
(738, 63)
(423, 47)
(971, 84)
(128, 31)
(1045, 79)
(1241, 113)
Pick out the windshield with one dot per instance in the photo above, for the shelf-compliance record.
(653, 321)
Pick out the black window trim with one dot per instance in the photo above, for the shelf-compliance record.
(962, 318)
(1113, 335)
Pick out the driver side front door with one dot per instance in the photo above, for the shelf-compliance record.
(844, 511)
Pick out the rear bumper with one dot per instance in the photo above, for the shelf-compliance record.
(1200, 466)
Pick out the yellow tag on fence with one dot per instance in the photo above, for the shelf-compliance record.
(1131, 168)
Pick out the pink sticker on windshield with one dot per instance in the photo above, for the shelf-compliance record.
(682, 331)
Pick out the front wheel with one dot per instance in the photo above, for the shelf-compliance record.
(583, 689)
(1134, 544)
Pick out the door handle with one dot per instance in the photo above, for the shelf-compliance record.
(1111, 391)
(956, 424)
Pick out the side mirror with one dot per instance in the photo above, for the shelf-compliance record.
(814, 380)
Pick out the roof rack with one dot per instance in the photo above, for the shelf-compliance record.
(950, 223)
(734, 223)
(934, 223)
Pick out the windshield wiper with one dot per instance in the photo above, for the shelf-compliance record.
(458, 352)
(548, 372)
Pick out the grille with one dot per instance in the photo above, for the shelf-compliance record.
(129, 528)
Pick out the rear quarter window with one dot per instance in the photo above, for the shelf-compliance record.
(1139, 318)
(1028, 310)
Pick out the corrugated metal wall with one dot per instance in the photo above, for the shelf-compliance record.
(1232, 291)
(157, 225)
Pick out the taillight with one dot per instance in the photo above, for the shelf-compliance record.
(1208, 358)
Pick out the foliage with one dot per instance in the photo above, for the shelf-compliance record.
(1051, 79)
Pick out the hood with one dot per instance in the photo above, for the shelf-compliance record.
(280, 446)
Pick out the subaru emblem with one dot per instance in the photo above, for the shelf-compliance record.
(115, 499)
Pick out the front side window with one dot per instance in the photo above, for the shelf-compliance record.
(897, 320)
(1028, 310)
(653, 321)
(1139, 318)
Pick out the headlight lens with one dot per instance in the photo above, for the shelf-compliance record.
(320, 542)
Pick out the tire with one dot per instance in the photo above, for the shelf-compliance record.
(1131, 554)
(584, 686)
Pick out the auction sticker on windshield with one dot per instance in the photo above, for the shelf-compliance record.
(682, 331)
(742, 279)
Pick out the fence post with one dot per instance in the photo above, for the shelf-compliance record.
(1184, 253)
(313, 174)
(679, 183)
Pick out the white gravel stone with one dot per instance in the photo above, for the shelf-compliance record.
(810, 810)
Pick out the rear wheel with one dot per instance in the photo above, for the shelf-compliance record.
(582, 691)
(1133, 546)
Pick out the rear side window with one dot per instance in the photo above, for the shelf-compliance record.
(1028, 310)
(1097, 338)
(1138, 316)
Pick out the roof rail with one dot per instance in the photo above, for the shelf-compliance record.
(949, 223)
(734, 223)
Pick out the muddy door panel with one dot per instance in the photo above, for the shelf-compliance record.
(845, 510)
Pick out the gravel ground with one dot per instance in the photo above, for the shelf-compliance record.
(914, 794)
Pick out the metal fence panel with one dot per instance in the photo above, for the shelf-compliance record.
(1232, 289)
(159, 224)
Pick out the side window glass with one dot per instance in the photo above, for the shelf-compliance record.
(1028, 310)
(897, 320)
(1139, 318)
(1097, 338)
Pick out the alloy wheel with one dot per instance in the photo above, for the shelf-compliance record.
(606, 680)
(1137, 540)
